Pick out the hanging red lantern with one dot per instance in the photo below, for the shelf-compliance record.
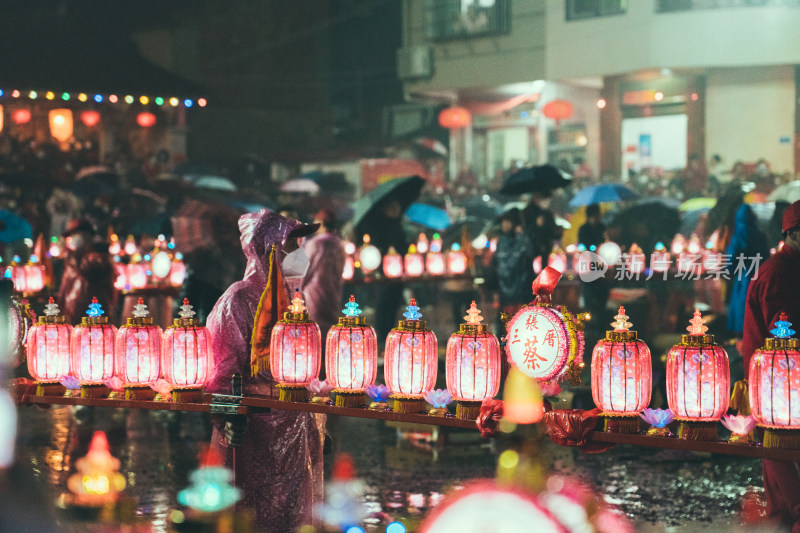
(295, 352)
(557, 110)
(146, 119)
(90, 118)
(138, 353)
(351, 356)
(48, 350)
(187, 359)
(455, 117)
(21, 116)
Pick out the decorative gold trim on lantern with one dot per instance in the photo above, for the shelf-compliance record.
(467, 410)
(187, 394)
(620, 423)
(621, 336)
(411, 325)
(472, 329)
(692, 430)
(289, 392)
(139, 392)
(184, 323)
(295, 318)
(352, 321)
(50, 388)
(94, 320)
(55, 319)
(350, 398)
(781, 344)
(782, 438)
(94, 390)
(696, 340)
(138, 322)
(407, 404)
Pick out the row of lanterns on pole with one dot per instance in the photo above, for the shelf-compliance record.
(62, 120)
(422, 257)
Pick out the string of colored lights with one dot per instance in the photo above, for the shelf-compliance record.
(100, 98)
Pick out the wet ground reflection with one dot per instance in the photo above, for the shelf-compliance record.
(658, 488)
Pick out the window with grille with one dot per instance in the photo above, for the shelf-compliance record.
(461, 19)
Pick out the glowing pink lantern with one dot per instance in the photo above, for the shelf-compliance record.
(636, 259)
(558, 260)
(137, 275)
(349, 268)
(698, 382)
(434, 263)
(295, 351)
(422, 243)
(621, 376)
(351, 356)
(187, 357)
(774, 386)
(392, 264)
(411, 361)
(48, 350)
(121, 270)
(660, 258)
(177, 271)
(472, 366)
(138, 353)
(92, 346)
(456, 260)
(115, 248)
(414, 262)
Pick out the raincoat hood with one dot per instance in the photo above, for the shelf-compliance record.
(259, 231)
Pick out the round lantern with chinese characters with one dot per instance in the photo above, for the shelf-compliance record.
(411, 361)
(698, 382)
(48, 350)
(621, 376)
(473, 365)
(138, 353)
(187, 357)
(295, 352)
(351, 356)
(93, 352)
(774, 386)
(545, 341)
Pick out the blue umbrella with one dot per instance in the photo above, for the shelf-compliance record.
(14, 227)
(604, 192)
(428, 216)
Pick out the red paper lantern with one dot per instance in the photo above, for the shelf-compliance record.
(295, 351)
(455, 117)
(90, 118)
(187, 360)
(434, 263)
(21, 116)
(177, 271)
(92, 345)
(414, 262)
(146, 119)
(472, 366)
(698, 382)
(137, 275)
(557, 109)
(621, 376)
(138, 353)
(774, 385)
(456, 260)
(48, 349)
(411, 361)
(349, 268)
(351, 356)
(392, 264)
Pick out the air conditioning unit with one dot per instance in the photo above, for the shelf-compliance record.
(414, 62)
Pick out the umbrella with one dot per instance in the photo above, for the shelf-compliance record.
(475, 226)
(698, 203)
(433, 145)
(300, 185)
(217, 183)
(14, 227)
(644, 223)
(95, 181)
(542, 178)
(95, 171)
(604, 192)
(788, 192)
(403, 190)
(428, 216)
(484, 208)
(200, 224)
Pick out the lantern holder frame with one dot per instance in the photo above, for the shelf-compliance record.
(139, 392)
(292, 392)
(187, 394)
(94, 390)
(777, 438)
(408, 404)
(466, 410)
(50, 388)
(697, 430)
(349, 398)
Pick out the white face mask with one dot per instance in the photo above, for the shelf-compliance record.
(295, 264)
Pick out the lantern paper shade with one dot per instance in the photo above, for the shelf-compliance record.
(774, 382)
(434, 263)
(295, 348)
(621, 375)
(138, 349)
(146, 119)
(698, 377)
(472, 366)
(92, 348)
(393, 264)
(177, 271)
(186, 361)
(455, 117)
(48, 346)
(557, 109)
(137, 275)
(351, 354)
(21, 116)
(90, 118)
(61, 124)
(414, 262)
(456, 260)
(411, 359)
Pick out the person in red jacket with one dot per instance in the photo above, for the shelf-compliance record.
(776, 289)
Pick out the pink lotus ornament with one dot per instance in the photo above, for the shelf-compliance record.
(658, 419)
(740, 427)
(379, 394)
(439, 399)
(320, 390)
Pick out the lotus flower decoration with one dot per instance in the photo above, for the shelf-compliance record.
(70, 382)
(114, 383)
(550, 388)
(162, 387)
(320, 389)
(378, 393)
(658, 420)
(438, 398)
(740, 427)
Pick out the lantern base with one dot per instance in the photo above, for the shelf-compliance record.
(408, 404)
(50, 388)
(378, 406)
(94, 390)
(139, 392)
(187, 395)
(690, 430)
(740, 440)
(346, 398)
(468, 410)
(438, 411)
(292, 393)
(620, 424)
(658, 432)
(782, 438)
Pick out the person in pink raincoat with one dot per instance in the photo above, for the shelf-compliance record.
(277, 457)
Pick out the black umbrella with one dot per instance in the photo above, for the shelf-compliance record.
(644, 223)
(402, 190)
(541, 178)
